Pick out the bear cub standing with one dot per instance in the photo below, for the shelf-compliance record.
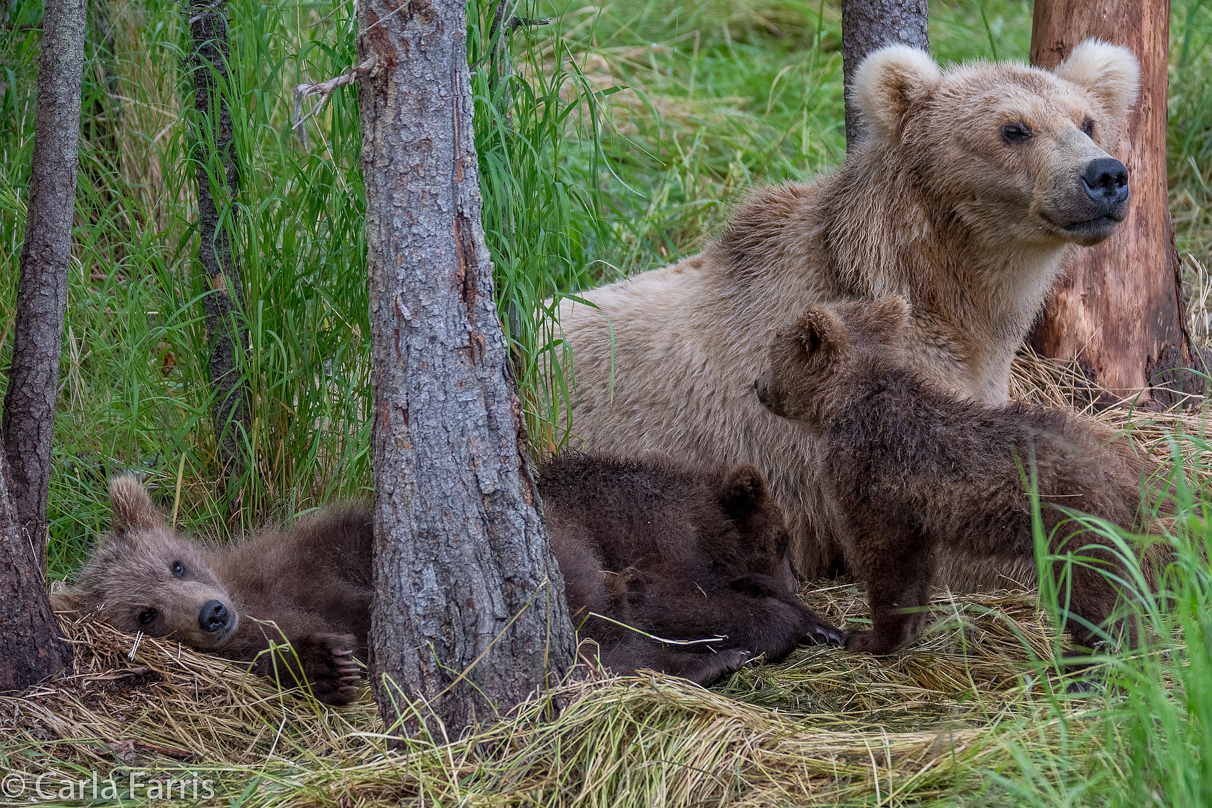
(680, 554)
(310, 585)
(917, 472)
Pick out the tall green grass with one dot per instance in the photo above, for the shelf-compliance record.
(135, 393)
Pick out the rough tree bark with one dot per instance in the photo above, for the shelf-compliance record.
(868, 25)
(469, 616)
(31, 648)
(223, 306)
(29, 401)
(1118, 309)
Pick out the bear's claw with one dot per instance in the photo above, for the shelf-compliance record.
(330, 667)
(826, 634)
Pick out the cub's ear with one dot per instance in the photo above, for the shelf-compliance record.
(1108, 72)
(743, 492)
(889, 84)
(819, 333)
(131, 507)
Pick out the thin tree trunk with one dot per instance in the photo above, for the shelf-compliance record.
(868, 25)
(29, 401)
(31, 647)
(223, 306)
(469, 616)
(1118, 308)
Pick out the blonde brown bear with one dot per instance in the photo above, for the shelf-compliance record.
(966, 192)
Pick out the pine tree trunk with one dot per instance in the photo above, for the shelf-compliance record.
(223, 305)
(31, 648)
(29, 401)
(469, 616)
(868, 25)
(1118, 308)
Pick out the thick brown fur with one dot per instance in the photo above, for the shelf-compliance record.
(679, 554)
(309, 585)
(943, 201)
(920, 473)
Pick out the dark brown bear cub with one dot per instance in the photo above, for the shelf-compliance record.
(679, 554)
(917, 472)
(309, 585)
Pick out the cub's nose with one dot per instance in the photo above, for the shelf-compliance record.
(213, 616)
(1106, 181)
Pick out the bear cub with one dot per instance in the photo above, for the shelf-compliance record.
(683, 555)
(697, 558)
(309, 585)
(917, 472)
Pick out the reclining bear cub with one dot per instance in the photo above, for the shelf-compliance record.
(649, 550)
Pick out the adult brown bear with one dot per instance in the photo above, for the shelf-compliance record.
(965, 194)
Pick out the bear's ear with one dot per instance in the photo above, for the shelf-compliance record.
(744, 491)
(820, 333)
(889, 84)
(1108, 72)
(131, 508)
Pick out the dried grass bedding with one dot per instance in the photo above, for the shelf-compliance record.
(821, 728)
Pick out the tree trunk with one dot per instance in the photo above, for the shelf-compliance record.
(223, 305)
(868, 25)
(1118, 308)
(31, 647)
(29, 402)
(469, 616)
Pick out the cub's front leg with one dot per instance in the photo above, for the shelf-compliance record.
(896, 563)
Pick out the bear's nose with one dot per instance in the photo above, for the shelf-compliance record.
(213, 616)
(1106, 181)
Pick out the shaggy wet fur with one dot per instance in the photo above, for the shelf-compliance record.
(309, 585)
(945, 201)
(678, 554)
(921, 474)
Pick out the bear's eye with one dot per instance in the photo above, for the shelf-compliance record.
(178, 569)
(1017, 132)
(1088, 128)
(147, 615)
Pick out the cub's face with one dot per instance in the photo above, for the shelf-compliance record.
(1019, 154)
(145, 577)
(825, 358)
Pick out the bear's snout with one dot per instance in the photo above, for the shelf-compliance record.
(1106, 183)
(762, 385)
(213, 616)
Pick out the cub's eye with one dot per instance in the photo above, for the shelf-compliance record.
(147, 616)
(1017, 132)
(178, 569)
(1088, 128)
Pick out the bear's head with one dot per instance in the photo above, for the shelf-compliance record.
(145, 577)
(1016, 153)
(821, 363)
(765, 540)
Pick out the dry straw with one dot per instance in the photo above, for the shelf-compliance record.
(821, 728)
